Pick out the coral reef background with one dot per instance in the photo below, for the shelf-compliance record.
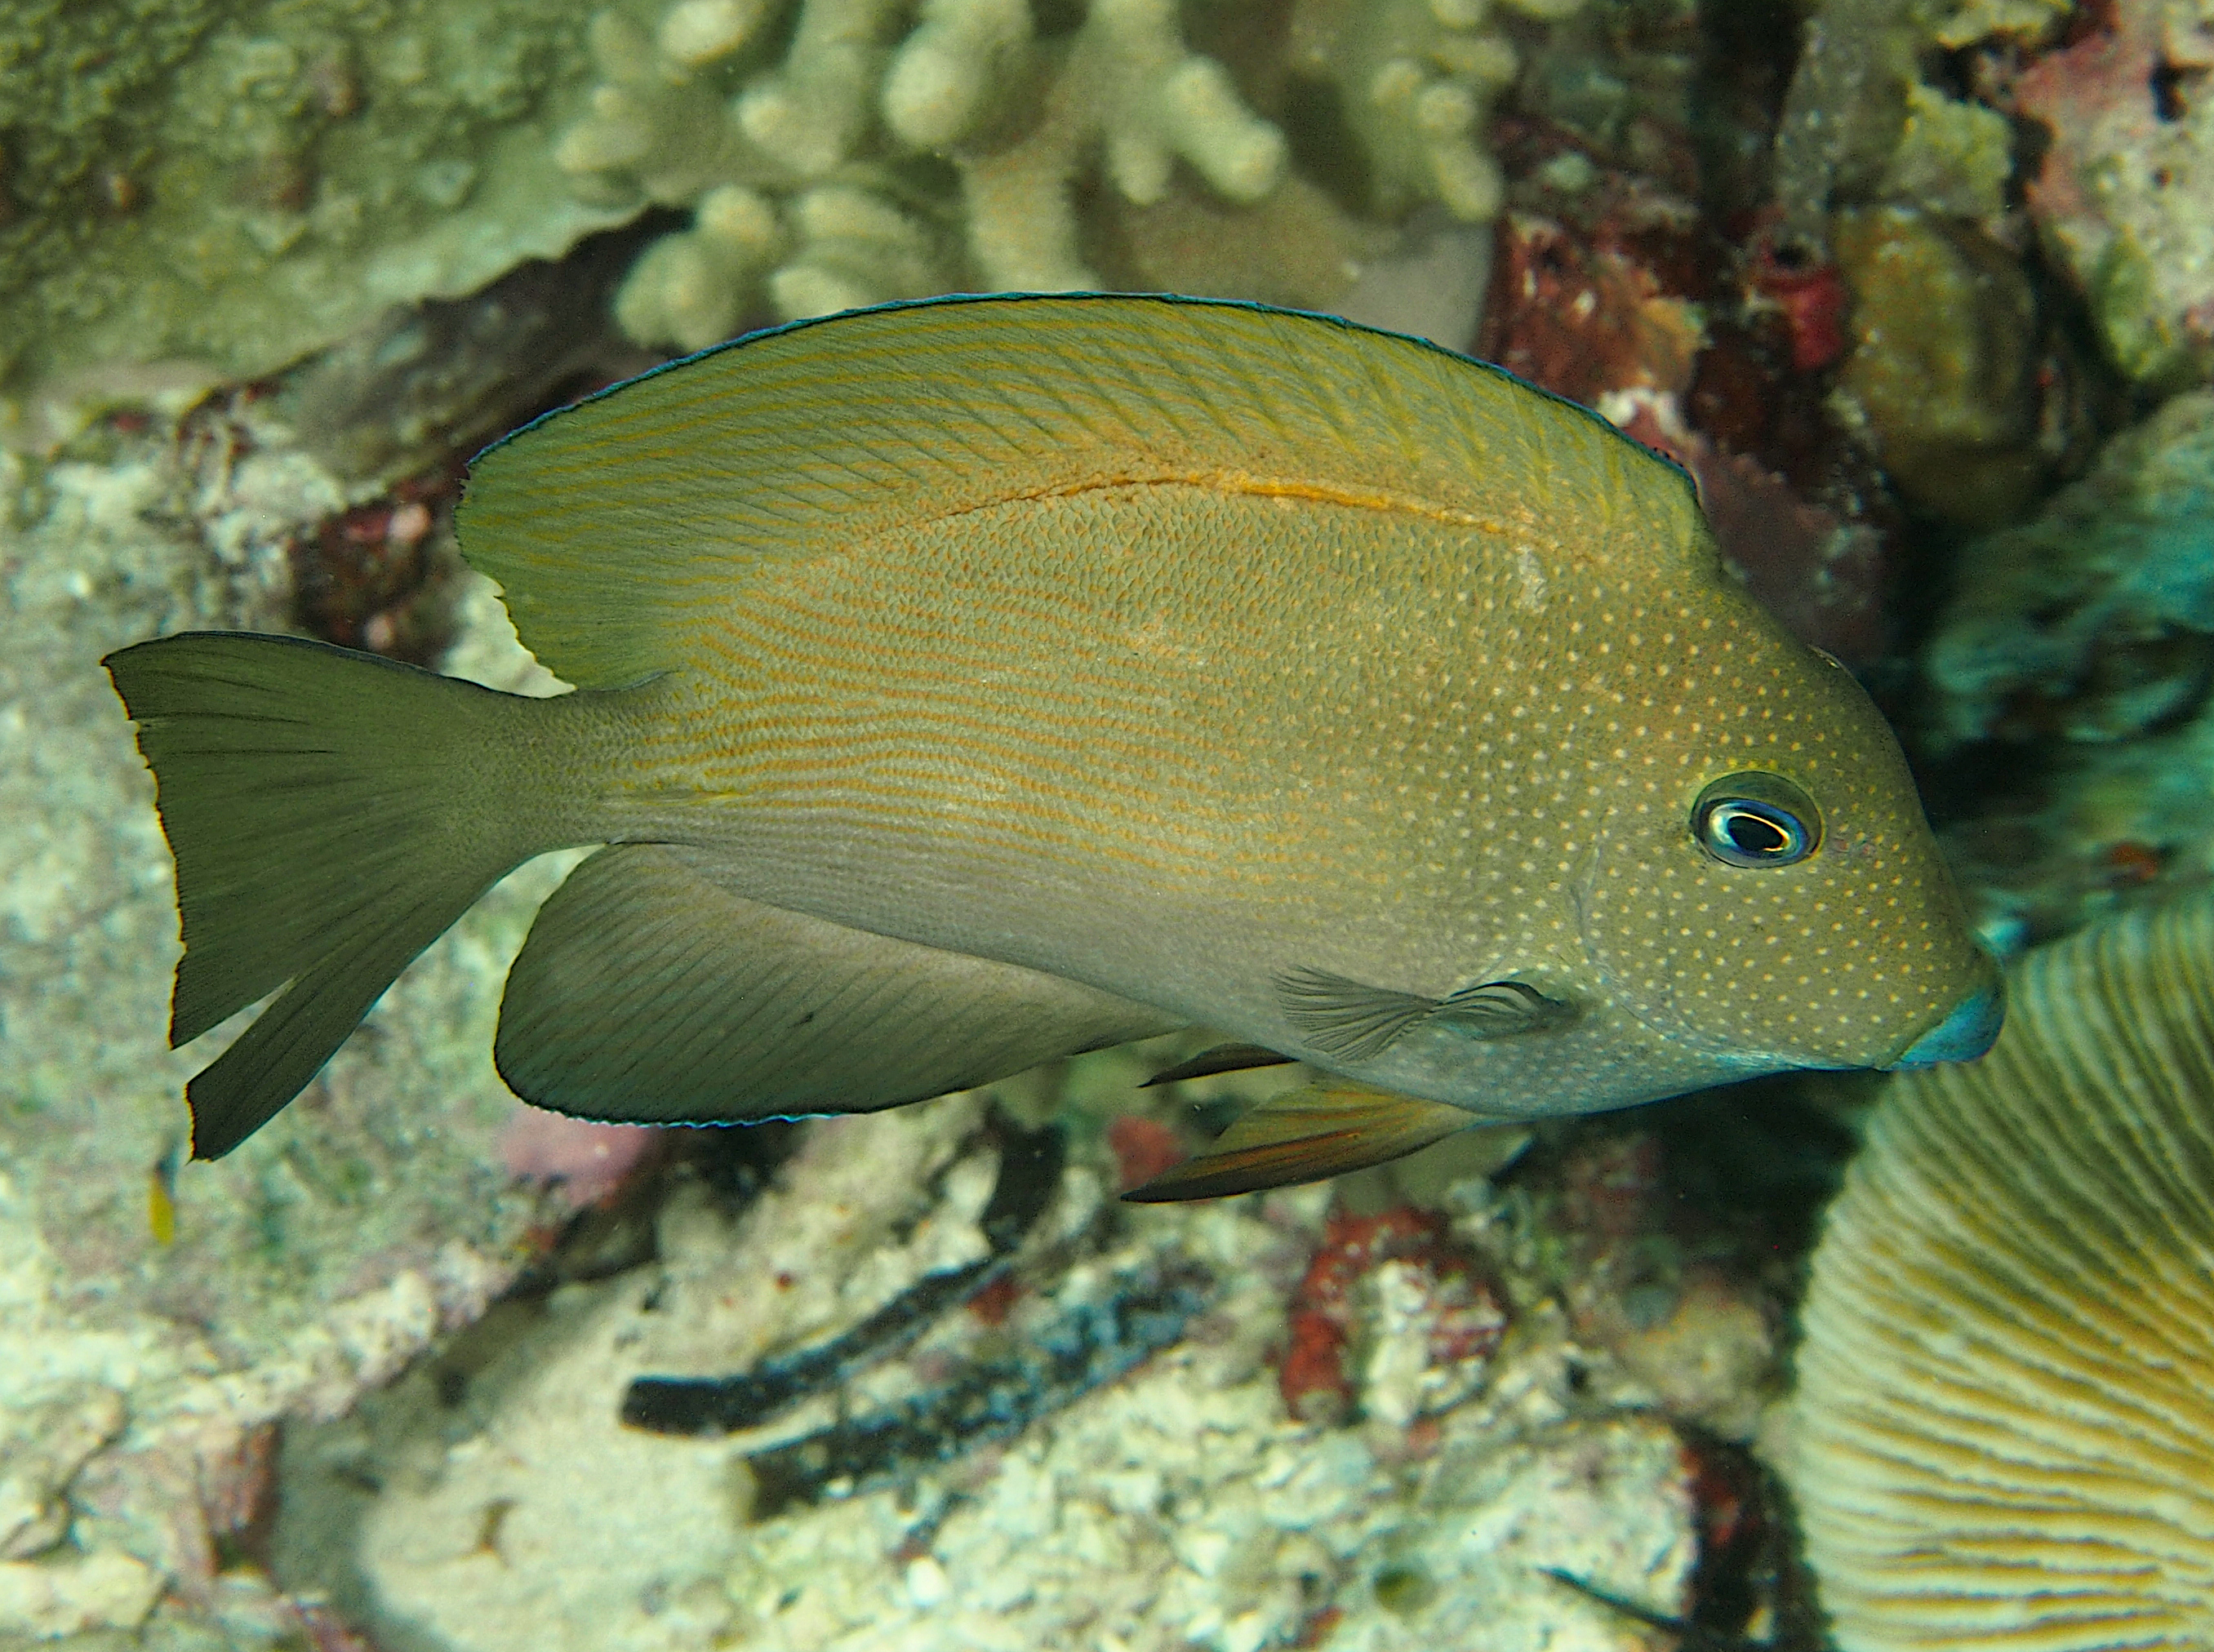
(1920, 292)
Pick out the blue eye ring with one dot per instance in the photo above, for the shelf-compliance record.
(1756, 819)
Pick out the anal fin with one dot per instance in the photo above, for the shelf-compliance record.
(649, 993)
(1320, 1129)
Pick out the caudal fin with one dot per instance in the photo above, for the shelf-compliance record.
(331, 813)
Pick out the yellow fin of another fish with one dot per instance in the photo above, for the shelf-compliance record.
(162, 1197)
(1323, 1128)
(617, 526)
(650, 994)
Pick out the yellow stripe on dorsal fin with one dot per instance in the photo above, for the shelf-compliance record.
(648, 993)
(1324, 1129)
(616, 526)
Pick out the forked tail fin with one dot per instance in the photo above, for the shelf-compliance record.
(331, 813)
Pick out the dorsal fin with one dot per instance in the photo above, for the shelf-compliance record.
(617, 526)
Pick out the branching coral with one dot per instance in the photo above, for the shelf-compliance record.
(1415, 80)
(1123, 86)
(854, 165)
(235, 183)
(802, 172)
(691, 114)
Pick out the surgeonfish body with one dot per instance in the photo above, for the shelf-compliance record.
(966, 684)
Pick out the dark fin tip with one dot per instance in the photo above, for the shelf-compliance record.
(1220, 1058)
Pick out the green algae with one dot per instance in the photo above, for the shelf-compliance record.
(1863, 124)
(1952, 157)
(2139, 321)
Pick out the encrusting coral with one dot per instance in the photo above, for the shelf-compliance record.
(1944, 371)
(2124, 139)
(821, 181)
(213, 193)
(1862, 124)
(2004, 1427)
(217, 188)
(2120, 195)
(1956, 378)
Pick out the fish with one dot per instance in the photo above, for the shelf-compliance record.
(963, 684)
(162, 1197)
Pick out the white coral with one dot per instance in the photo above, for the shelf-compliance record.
(944, 72)
(855, 247)
(1417, 79)
(650, 129)
(784, 161)
(1158, 103)
(795, 167)
(1125, 88)
(811, 113)
(687, 289)
(694, 34)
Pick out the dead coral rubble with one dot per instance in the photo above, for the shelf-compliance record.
(968, 1470)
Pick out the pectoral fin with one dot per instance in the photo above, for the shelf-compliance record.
(1320, 1129)
(649, 993)
(1354, 1021)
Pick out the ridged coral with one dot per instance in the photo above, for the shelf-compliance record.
(2004, 1427)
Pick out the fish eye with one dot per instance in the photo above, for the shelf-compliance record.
(1755, 818)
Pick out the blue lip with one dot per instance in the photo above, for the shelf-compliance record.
(1964, 1034)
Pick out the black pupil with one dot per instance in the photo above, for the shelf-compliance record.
(1751, 835)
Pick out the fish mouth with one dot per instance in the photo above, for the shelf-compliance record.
(1970, 1029)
